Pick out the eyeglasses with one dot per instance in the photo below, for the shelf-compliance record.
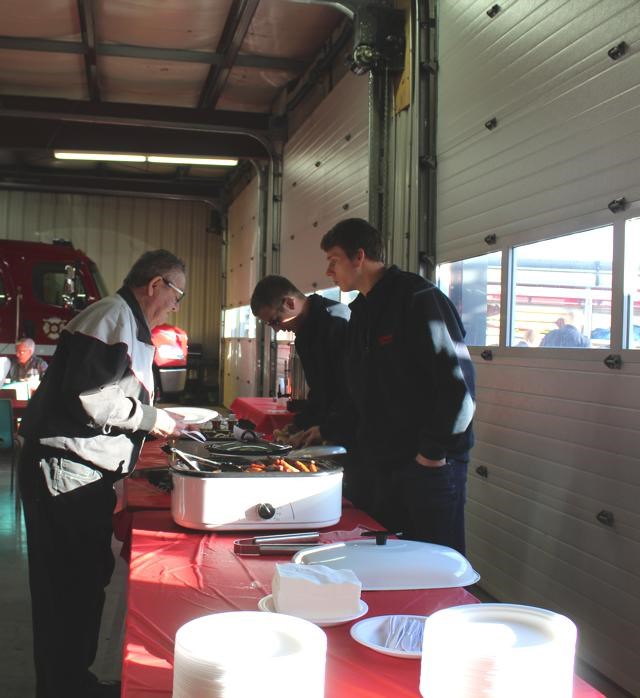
(173, 287)
(276, 319)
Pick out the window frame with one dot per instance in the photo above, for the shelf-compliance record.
(621, 309)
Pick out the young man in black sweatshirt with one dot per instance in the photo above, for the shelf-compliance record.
(411, 380)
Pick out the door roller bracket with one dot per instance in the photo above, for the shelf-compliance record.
(613, 361)
(618, 51)
(605, 517)
(617, 205)
(483, 471)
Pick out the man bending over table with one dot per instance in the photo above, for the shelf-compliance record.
(319, 325)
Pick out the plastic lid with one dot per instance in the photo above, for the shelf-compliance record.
(400, 564)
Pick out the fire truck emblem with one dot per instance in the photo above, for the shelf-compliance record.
(53, 326)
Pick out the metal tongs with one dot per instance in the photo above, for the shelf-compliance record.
(191, 460)
(277, 544)
(195, 435)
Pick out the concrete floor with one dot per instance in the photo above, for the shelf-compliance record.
(16, 668)
(16, 664)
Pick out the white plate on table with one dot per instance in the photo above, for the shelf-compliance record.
(266, 604)
(194, 415)
(370, 632)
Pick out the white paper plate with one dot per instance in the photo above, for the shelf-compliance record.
(370, 633)
(501, 626)
(266, 604)
(194, 415)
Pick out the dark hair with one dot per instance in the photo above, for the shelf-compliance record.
(151, 264)
(270, 291)
(352, 235)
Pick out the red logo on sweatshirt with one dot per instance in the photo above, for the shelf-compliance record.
(385, 339)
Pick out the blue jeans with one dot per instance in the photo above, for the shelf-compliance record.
(425, 504)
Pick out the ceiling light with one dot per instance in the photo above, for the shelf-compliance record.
(178, 160)
(110, 157)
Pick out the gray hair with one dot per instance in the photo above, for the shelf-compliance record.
(151, 264)
(26, 341)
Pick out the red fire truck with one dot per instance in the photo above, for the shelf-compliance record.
(43, 285)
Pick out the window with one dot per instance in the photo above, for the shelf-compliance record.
(562, 291)
(473, 285)
(239, 323)
(347, 297)
(632, 276)
(52, 285)
(335, 294)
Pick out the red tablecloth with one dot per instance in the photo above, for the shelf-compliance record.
(139, 494)
(267, 413)
(176, 576)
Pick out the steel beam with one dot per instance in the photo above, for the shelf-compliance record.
(235, 29)
(149, 53)
(87, 28)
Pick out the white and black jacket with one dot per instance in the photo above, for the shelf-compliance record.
(94, 402)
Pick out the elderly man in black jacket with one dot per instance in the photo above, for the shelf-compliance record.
(319, 325)
(411, 380)
(83, 430)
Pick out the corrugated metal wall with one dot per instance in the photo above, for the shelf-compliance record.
(326, 179)
(558, 433)
(115, 230)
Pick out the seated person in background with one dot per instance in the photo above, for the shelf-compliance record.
(567, 334)
(320, 327)
(26, 364)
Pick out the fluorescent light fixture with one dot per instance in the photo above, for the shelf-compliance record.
(178, 160)
(109, 157)
(136, 157)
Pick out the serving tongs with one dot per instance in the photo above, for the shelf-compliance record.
(194, 435)
(277, 544)
(192, 460)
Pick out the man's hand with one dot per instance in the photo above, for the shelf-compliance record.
(310, 437)
(168, 424)
(428, 463)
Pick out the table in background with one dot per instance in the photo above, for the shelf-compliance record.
(23, 389)
(267, 413)
(19, 392)
(178, 575)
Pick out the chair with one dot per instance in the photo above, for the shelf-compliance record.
(8, 436)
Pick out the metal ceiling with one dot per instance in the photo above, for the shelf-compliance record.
(186, 77)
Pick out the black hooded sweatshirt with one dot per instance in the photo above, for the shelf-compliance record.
(409, 373)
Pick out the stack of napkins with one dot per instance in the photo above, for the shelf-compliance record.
(315, 592)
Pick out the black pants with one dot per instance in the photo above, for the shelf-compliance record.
(424, 504)
(67, 509)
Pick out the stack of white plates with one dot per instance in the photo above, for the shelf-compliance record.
(242, 654)
(497, 651)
